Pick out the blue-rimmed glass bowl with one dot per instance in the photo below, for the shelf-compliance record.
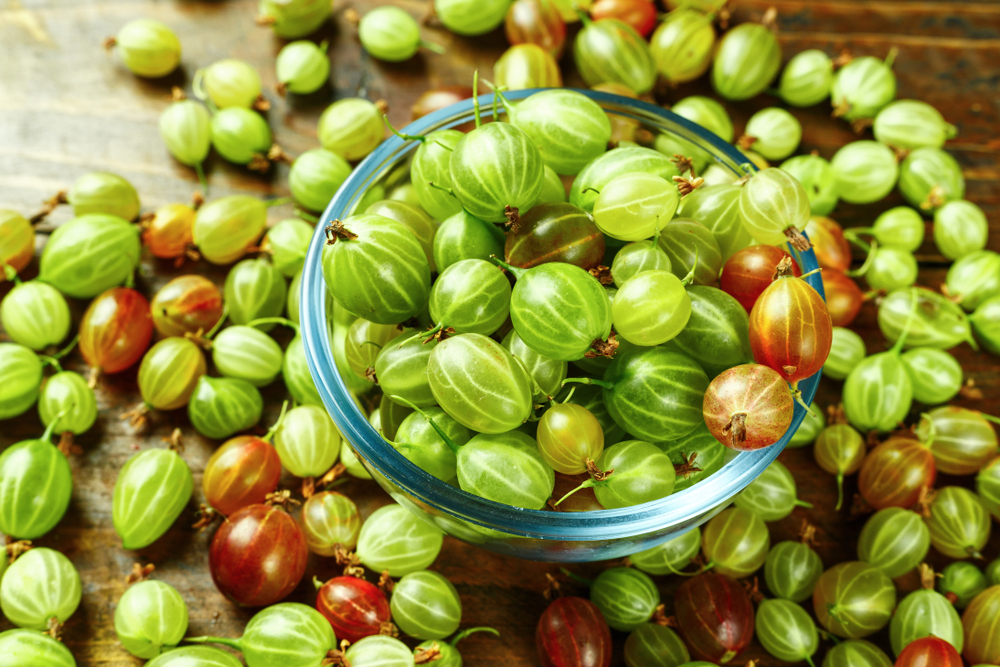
(531, 534)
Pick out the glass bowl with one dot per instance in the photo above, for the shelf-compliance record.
(530, 534)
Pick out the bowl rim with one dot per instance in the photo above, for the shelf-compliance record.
(677, 509)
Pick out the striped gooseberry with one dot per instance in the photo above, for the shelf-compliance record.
(186, 304)
(773, 133)
(637, 257)
(302, 67)
(670, 557)
(696, 456)
(806, 79)
(866, 171)
(104, 192)
(35, 487)
(17, 242)
(961, 582)
(242, 136)
(425, 605)
(856, 653)
(244, 549)
(22, 373)
(854, 600)
(186, 130)
(225, 229)
(471, 17)
(247, 353)
(242, 472)
(704, 111)
(414, 218)
(960, 228)
(639, 14)
(791, 570)
(959, 524)
(419, 441)
(307, 441)
(934, 320)
(555, 232)
(365, 341)
(773, 495)
(971, 281)
(775, 208)
(961, 440)
(590, 397)
(431, 165)
(630, 207)
(715, 617)
(935, 374)
(896, 473)
(351, 128)
(899, 227)
(651, 308)
(221, 407)
(485, 462)
(862, 87)
(820, 183)
(295, 373)
(839, 450)
(464, 236)
(626, 597)
(151, 618)
(169, 231)
(929, 651)
(150, 493)
(115, 330)
(717, 208)
(611, 51)
(572, 632)
(90, 254)
(654, 644)
(925, 613)
(148, 48)
(692, 249)
(330, 521)
(625, 160)
(889, 268)
(525, 66)
(379, 649)
(981, 642)
(682, 45)
(894, 540)
(393, 539)
(401, 369)
(315, 176)
(736, 542)
(844, 298)
(471, 296)
(35, 314)
(354, 607)
(748, 407)
(287, 243)
(536, 22)
(643, 473)
(747, 59)
(254, 290)
(786, 630)
(878, 392)
(67, 403)
(847, 349)
(750, 271)
(40, 590)
(24, 647)
(292, 19)
(229, 83)
(568, 128)
(569, 436)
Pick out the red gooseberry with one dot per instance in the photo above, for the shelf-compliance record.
(715, 617)
(115, 330)
(536, 22)
(833, 251)
(186, 304)
(748, 407)
(640, 14)
(750, 271)
(241, 472)
(895, 473)
(355, 608)
(929, 652)
(843, 297)
(573, 633)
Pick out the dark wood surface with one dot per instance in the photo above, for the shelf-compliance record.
(67, 107)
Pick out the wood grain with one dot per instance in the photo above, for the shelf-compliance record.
(67, 107)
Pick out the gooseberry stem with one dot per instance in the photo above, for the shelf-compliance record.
(868, 260)
(599, 383)
(694, 267)
(565, 400)
(276, 425)
(404, 137)
(475, 98)
(200, 171)
(898, 347)
(577, 578)
(515, 271)
(432, 47)
(218, 325)
(50, 429)
(231, 643)
(802, 503)
(990, 418)
(586, 485)
(840, 491)
(9, 272)
(69, 347)
(308, 217)
(279, 201)
(52, 361)
(444, 436)
(465, 633)
(284, 321)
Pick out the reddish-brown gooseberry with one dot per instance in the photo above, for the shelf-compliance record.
(640, 14)
(170, 231)
(843, 298)
(536, 22)
(833, 252)
(894, 474)
(572, 633)
(355, 608)
(929, 652)
(258, 556)
(439, 98)
(790, 327)
(584, 500)
(557, 232)
(748, 407)
(115, 330)
(750, 271)
(240, 473)
(17, 241)
(186, 304)
(715, 617)
(979, 622)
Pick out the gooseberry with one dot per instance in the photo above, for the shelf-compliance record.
(960, 228)
(524, 66)
(930, 177)
(572, 632)
(611, 51)
(894, 540)
(40, 588)
(330, 521)
(806, 79)
(862, 87)
(748, 407)
(746, 61)
(820, 182)
(715, 617)
(536, 22)
(866, 171)
(150, 493)
(35, 315)
(90, 254)
(853, 600)
(895, 473)
(351, 128)
(228, 83)
(151, 618)
(354, 607)
(103, 192)
(682, 45)
(302, 67)
(186, 304)
(839, 450)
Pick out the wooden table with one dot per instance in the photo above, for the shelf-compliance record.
(67, 107)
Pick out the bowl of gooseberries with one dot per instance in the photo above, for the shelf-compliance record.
(520, 333)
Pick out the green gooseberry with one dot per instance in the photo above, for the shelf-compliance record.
(654, 645)
(568, 128)
(810, 428)
(866, 171)
(862, 87)
(471, 17)
(856, 653)
(736, 542)
(21, 370)
(819, 180)
(692, 249)
(351, 128)
(671, 556)
(31, 648)
(307, 441)
(485, 463)
(35, 487)
(773, 495)
(925, 613)
(791, 570)
(961, 581)
(147, 47)
(929, 178)
(553, 190)
(151, 617)
(626, 597)
(350, 460)
(364, 342)
(241, 135)
(806, 79)
(993, 573)
(958, 522)
(448, 654)
(962, 441)
(420, 443)
(90, 254)
(477, 381)
(186, 129)
(894, 540)
(376, 268)
(401, 369)
(302, 67)
(292, 300)
(330, 520)
(746, 61)
(151, 491)
(651, 308)
(228, 83)
(704, 111)
(195, 656)
(413, 218)
(590, 397)
(974, 278)
(682, 45)
(425, 605)
(717, 333)
(221, 407)
(471, 296)
(41, 585)
(288, 634)
(775, 133)
(254, 289)
(430, 173)
(464, 236)
(717, 207)
(68, 403)
(891, 268)
(287, 243)
(225, 229)
(839, 450)
(546, 373)
(717, 175)
(525, 66)
(854, 599)
(390, 34)
(643, 473)
(35, 315)
(379, 651)
(632, 206)
(846, 351)
(405, 193)
(315, 177)
(17, 243)
(394, 539)
(496, 168)
(900, 227)
(169, 372)
(936, 320)
(637, 257)
(935, 374)
(103, 192)
(960, 228)
(593, 178)
(878, 391)
(786, 630)
(912, 124)
(292, 19)
(247, 353)
(775, 208)
(611, 51)
(986, 323)
(696, 456)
